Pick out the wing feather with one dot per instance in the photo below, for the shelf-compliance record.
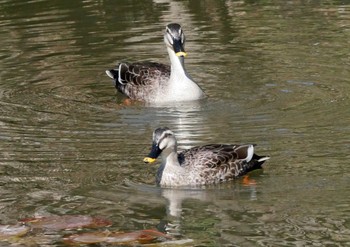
(140, 80)
(218, 161)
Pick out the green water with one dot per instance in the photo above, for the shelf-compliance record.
(276, 73)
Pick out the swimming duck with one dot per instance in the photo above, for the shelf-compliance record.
(155, 82)
(209, 164)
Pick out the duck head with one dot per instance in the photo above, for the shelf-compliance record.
(164, 141)
(174, 39)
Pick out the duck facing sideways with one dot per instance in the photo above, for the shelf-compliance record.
(209, 164)
(155, 82)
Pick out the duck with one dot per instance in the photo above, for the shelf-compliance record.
(200, 165)
(155, 82)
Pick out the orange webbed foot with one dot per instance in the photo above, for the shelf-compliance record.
(248, 181)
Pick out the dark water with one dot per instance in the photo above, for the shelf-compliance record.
(276, 73)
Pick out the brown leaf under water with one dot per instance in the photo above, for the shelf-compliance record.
(142, 237)
(10, 231)
(66, 222)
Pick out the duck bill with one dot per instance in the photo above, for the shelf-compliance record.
(153, 155)
(179, 49)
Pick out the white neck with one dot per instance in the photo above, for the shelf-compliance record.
(177, 69)
(180, 86)
(170, 168)
(170, 157)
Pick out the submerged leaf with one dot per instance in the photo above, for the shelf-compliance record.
(66, 222)
(129, 237)
(143, 237)
(7, 231)
(87, 238)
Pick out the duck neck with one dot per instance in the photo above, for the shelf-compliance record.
(177, 64)
(170, 157)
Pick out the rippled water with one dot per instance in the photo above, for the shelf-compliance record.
(276, 73)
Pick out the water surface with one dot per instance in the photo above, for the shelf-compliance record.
(276, 73)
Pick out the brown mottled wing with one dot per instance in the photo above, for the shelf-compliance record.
(140, 81)
(226, 160)
(212, 155)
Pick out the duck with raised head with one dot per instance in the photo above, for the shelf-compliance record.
(156, 82)
(208, 164)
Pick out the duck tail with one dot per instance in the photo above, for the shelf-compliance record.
(254, 164)
(259, 160)
(113, 74)
(263, 159)
(119, 76)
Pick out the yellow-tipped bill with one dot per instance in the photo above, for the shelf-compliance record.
(149, 160)
(181, 53)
